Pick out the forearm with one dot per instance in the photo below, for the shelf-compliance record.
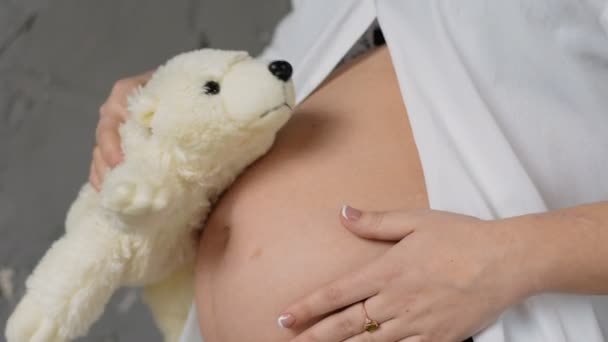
(564, 250)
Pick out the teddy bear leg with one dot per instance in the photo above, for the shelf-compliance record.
(67, 291)
(170, 301)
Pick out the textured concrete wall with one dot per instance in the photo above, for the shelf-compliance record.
(58, 60)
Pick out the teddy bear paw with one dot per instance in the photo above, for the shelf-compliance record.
(28, 324)
(135, 198)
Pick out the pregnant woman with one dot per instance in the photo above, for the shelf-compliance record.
(477, 109)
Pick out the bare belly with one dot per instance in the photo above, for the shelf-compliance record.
(276, 235)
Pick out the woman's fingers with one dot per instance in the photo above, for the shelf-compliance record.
(108, 140)
(350, 289)
(390, 331)
(94, 178)
(348, 325)
(338, 327)
(107, 152)
(390, 225)
(99, 165)
(417, 338)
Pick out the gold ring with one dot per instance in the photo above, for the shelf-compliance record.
(370, 325)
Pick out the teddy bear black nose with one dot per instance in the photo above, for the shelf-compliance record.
(281, 69)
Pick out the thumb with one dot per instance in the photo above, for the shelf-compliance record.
(378, 225)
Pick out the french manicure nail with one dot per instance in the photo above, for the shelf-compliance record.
(286, 320)
(350, 213)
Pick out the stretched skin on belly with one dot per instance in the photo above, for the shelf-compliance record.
(276, 235)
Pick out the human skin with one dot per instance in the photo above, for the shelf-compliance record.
(276, 233)
(282, 212)
(415, 297)
(581, 270)
(113, 112)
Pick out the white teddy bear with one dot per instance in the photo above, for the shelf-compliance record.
(200, 120)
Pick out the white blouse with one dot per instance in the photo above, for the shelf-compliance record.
(508, 104)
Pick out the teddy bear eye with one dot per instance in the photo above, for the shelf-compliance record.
(211, 88)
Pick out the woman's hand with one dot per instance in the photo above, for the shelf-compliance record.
(107, 152)
(449, 276)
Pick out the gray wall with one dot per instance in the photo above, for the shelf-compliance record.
(58, 60)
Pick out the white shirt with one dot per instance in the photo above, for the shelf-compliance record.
(508, 104)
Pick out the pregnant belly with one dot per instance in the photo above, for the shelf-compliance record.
(276, 235)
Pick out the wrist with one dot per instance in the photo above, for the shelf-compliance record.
(557, 251)
(527, 257)
(550, 248)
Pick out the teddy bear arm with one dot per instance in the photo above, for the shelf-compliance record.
(67, 291)
(138, 188)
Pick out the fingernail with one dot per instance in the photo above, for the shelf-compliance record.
(350, 213)
(286, 320)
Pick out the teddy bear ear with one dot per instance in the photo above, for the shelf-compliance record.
(142, 106)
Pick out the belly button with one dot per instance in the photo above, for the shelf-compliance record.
(225, 235)
(256, 254)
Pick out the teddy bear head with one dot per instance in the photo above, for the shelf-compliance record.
(214, 109)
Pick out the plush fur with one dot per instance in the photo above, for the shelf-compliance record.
(183, 146)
